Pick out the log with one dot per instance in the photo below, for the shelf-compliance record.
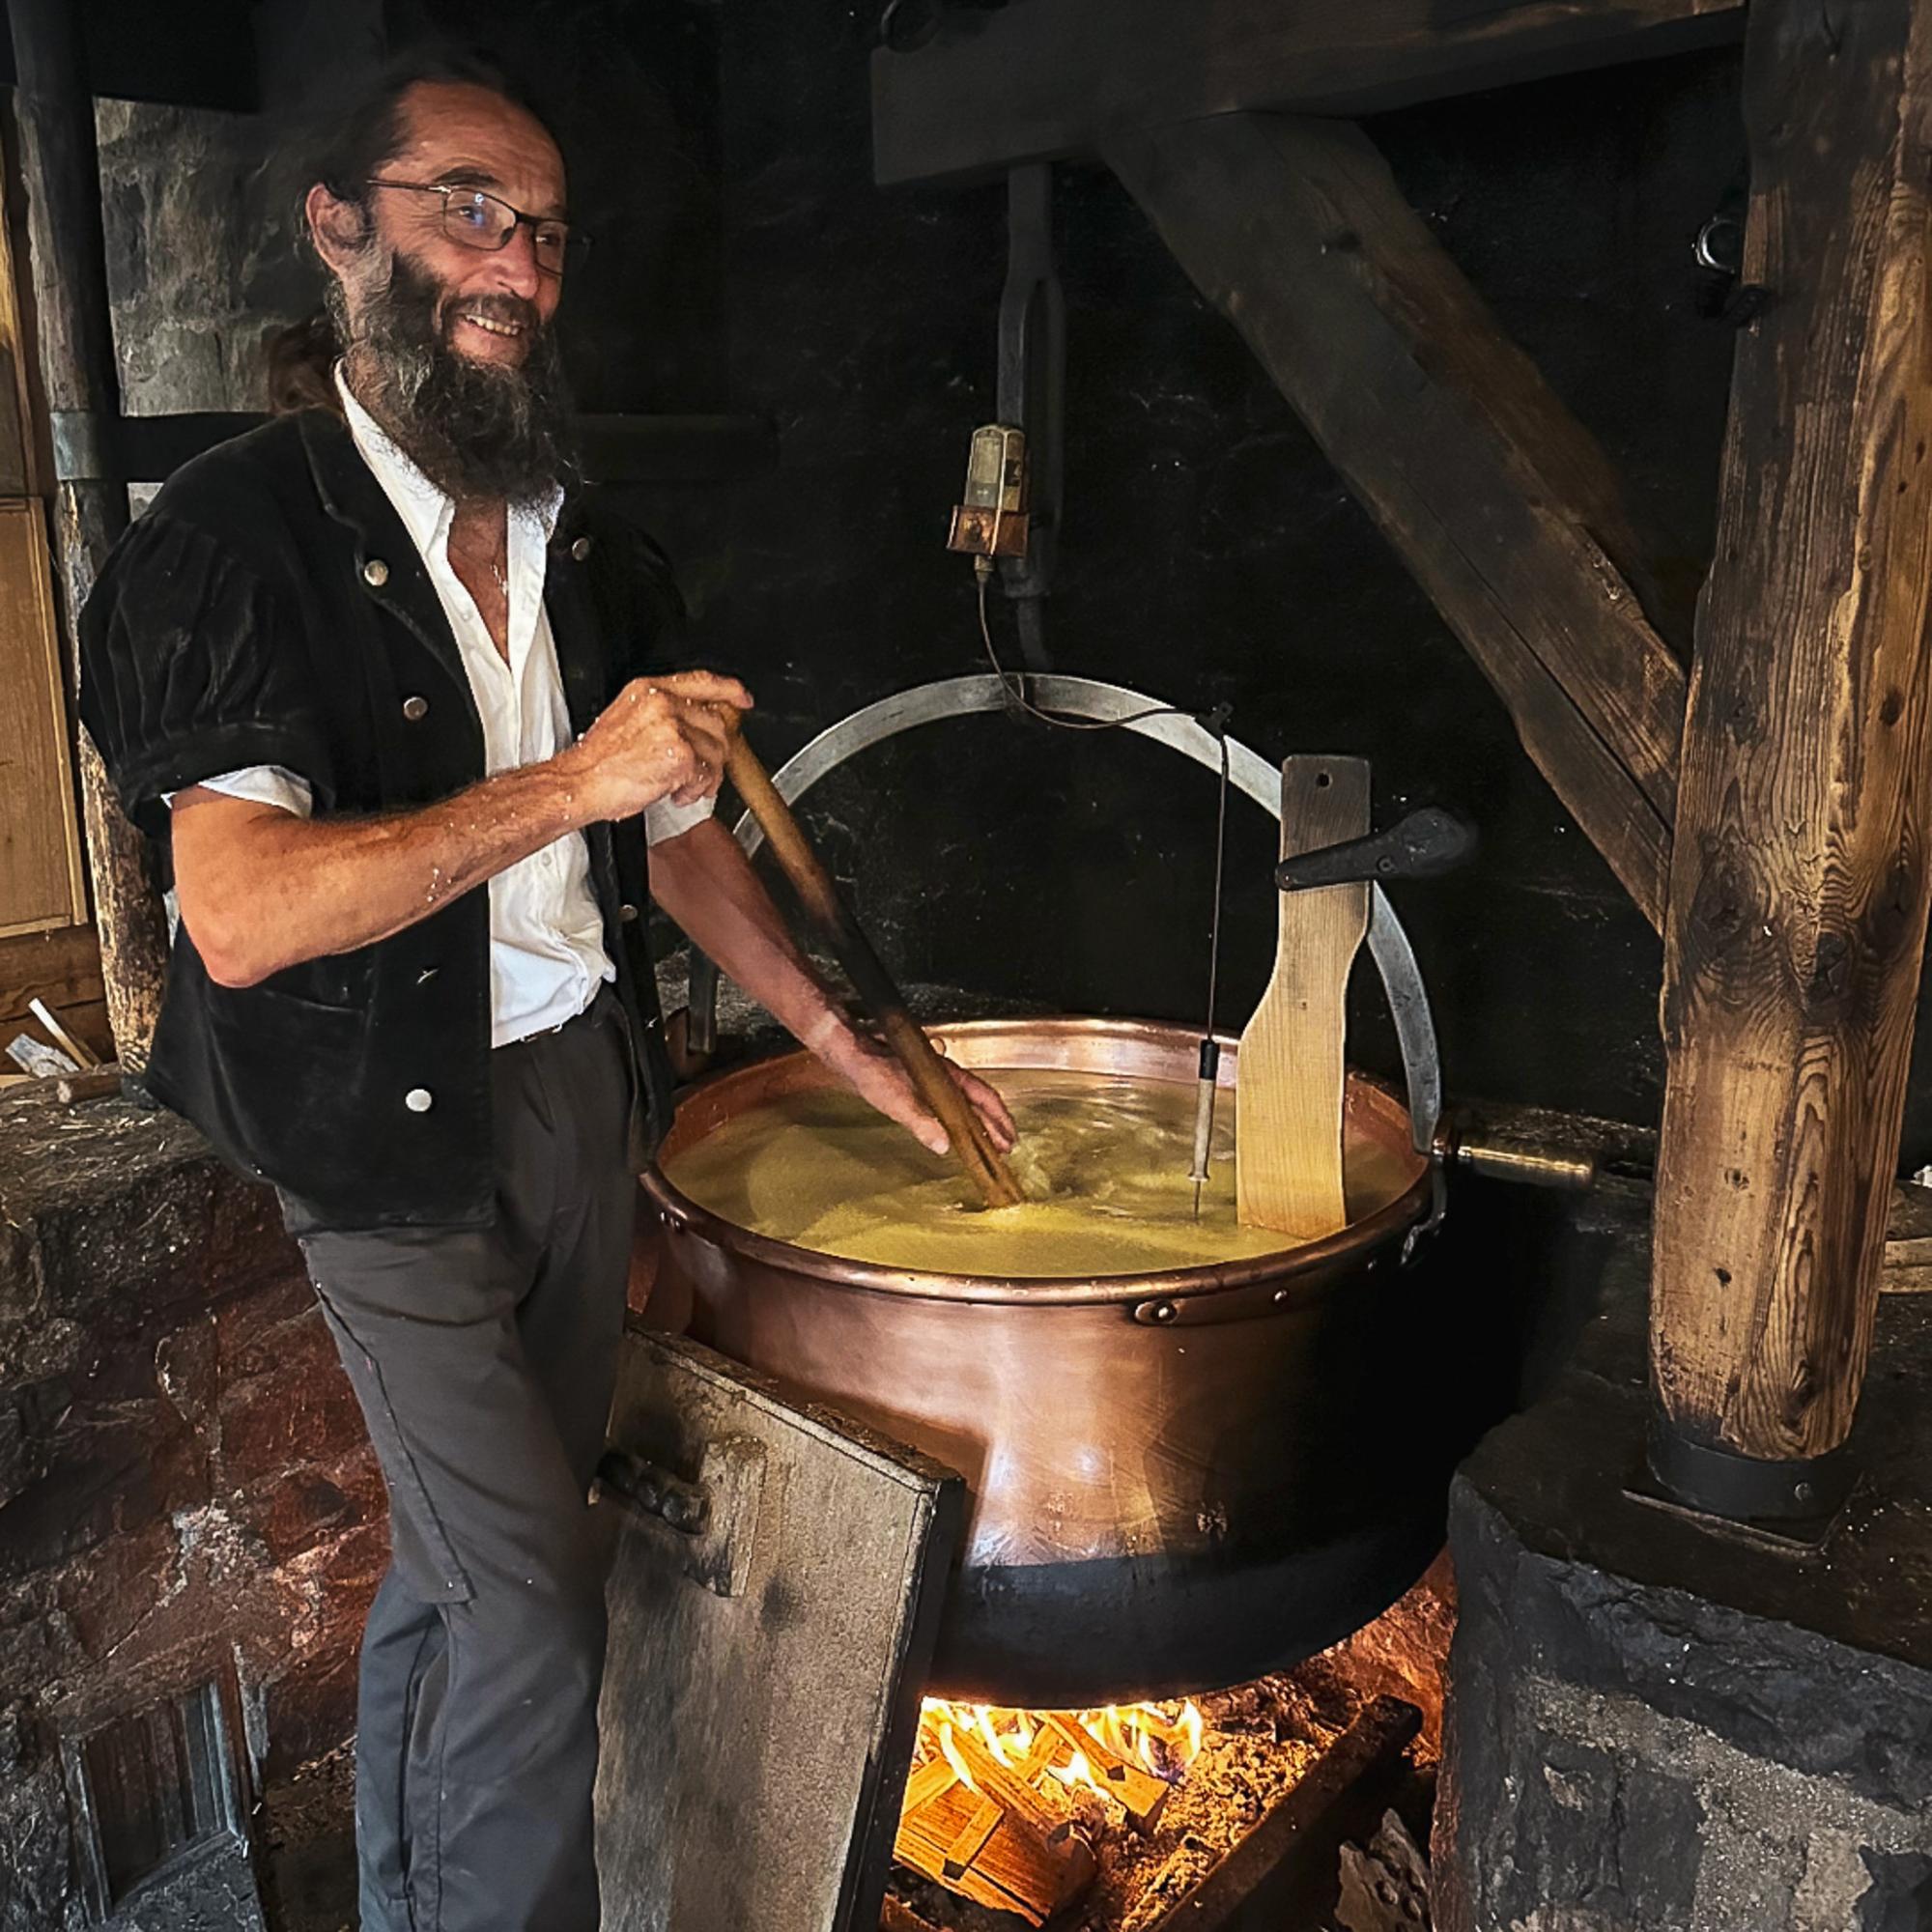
(1485, 486)
(1055, 77)
(1283, 1872)
(61, 169)
(1907, 1269)
(1014, 1864)
(1799, 890)
(1135, 1789)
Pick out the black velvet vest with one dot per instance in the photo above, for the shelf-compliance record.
(270, 608)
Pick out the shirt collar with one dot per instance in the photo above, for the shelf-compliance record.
(426, 511)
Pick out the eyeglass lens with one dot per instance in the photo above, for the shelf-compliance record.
(484, 222)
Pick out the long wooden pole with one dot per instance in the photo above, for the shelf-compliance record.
(1802, 866)
(972, 1146)
(74, 325)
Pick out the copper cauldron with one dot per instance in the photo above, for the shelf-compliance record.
(1179, 1480)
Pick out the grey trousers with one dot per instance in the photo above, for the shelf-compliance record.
(484, 1362)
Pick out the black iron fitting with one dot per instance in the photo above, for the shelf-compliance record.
(1423, 845)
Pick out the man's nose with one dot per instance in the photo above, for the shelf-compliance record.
(514, 265)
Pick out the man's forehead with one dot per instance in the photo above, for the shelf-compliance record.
(459, 132)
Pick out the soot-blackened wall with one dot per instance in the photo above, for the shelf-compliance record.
(747, 262)
(1209, 551)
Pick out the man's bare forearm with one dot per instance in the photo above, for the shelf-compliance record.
(706, 883)
(279, 889)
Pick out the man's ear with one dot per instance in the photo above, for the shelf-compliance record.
(339, 228)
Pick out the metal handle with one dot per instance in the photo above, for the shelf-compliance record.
(707, 1527)
(1527, 1166)
(1421, 846)
(642, 1488)
(1253, 775)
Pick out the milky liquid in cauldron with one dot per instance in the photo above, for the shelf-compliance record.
(1104, 1158)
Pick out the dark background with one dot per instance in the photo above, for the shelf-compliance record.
(744, 261)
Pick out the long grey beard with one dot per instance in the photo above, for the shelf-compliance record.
(474, 429)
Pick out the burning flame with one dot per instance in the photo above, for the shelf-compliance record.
(1161, 1739)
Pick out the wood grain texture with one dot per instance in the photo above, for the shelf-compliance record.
(1057, 76)
(17, 458)
(1287, 1101)
(755, 1744)
(60, 168)
(972, 1142)
(1799, 891)
(40, 881)
(1488, 490)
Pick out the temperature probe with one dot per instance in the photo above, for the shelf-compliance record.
(1207, 1076)
(994, 521)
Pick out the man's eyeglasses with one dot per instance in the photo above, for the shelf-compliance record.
(486, 221)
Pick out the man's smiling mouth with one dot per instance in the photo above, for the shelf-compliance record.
(488, 322)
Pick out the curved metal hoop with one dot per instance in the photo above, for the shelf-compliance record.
(1114, 704)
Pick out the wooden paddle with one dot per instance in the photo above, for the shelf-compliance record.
(971, 1145)
(1289, 1084)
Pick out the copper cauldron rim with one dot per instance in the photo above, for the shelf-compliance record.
(1313, 1266)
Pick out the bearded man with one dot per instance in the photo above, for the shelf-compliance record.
(405, 728)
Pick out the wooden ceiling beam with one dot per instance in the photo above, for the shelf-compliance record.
(1056, 77)
(1491, 492)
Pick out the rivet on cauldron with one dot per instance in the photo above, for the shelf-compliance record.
(1164, 1311)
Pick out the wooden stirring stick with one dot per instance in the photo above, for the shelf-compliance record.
(971, 1145)
(1289, 1084)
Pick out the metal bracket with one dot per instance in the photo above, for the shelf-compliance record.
(1032, 391)
(1105, 703)
(709, 1524)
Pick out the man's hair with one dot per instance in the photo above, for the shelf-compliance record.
(348, 138)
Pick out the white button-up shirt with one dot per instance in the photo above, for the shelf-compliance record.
(547, 957)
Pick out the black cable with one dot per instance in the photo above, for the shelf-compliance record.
(1015, 690)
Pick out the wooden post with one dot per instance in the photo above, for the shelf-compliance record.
(62, 170)
(1800, 883)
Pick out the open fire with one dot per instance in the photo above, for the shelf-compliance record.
(1000, 1806)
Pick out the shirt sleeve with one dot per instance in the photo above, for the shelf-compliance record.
(264, 784)
(192, 668)
(666, 820)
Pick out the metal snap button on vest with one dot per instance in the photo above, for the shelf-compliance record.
(416, 708)
(580, 548)
(375, 573)
(418, 1101)
(626, 913)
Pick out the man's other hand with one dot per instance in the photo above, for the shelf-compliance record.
(660, 738)
(872, 1071)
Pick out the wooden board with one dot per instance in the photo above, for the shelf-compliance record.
(764, 1674)
(1485, 486)
(1288, 1095)
(1053, 76)
(40, 880)
(1803, 857)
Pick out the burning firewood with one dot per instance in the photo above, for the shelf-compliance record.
(1140, 1793)
(1015, 1858)
(991, 1809)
